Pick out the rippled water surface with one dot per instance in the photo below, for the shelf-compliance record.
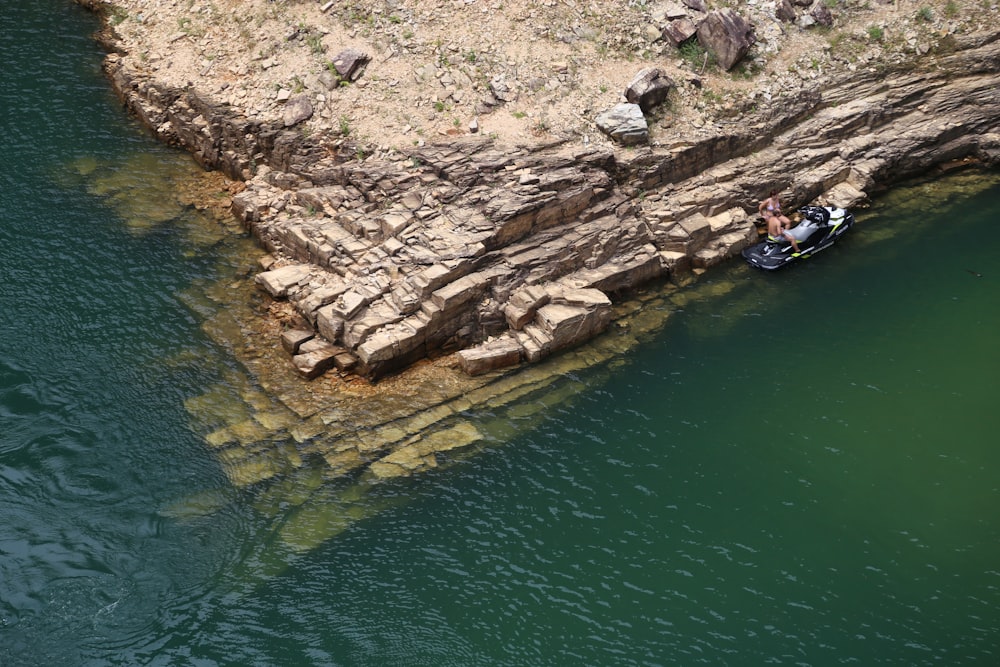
(800, 468)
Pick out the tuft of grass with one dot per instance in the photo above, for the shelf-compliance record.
(315, 42)
(696, 56)
(875, 33)
(345, 126)
(925, 14)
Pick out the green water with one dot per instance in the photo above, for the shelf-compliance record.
(800, 468)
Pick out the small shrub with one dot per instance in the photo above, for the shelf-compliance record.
(925, 14)
(875, 33)
(345, 125)
(951, 9)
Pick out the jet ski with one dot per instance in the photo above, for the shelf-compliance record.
(820, 228)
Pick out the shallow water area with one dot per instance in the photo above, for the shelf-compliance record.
(788, 468)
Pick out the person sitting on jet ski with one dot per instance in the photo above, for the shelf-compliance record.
(777, 224)
(773, 205)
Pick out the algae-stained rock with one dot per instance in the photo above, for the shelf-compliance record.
(421, 454)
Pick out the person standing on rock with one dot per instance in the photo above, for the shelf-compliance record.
(777, 224)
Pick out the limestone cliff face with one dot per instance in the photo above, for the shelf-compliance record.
(513, 255)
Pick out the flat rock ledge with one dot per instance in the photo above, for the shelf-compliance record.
(509, 255)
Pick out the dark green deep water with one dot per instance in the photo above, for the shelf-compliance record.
(800, 468)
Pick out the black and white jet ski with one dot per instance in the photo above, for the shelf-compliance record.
(820, 228)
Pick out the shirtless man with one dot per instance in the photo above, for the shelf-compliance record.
(777, 224)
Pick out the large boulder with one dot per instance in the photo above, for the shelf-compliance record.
(726, 34)
(625, 124)
(649, 88)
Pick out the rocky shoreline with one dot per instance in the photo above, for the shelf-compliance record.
(507, 255)
(500, 254)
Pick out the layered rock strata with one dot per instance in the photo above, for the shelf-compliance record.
(511, 255)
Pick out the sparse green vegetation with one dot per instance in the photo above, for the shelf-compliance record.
(315, 42)
(117, 16)
(925, 14)
(696, 56)
(845, 45)
(951, 9)
(875, 33)
(345, 126)
(746, 69)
